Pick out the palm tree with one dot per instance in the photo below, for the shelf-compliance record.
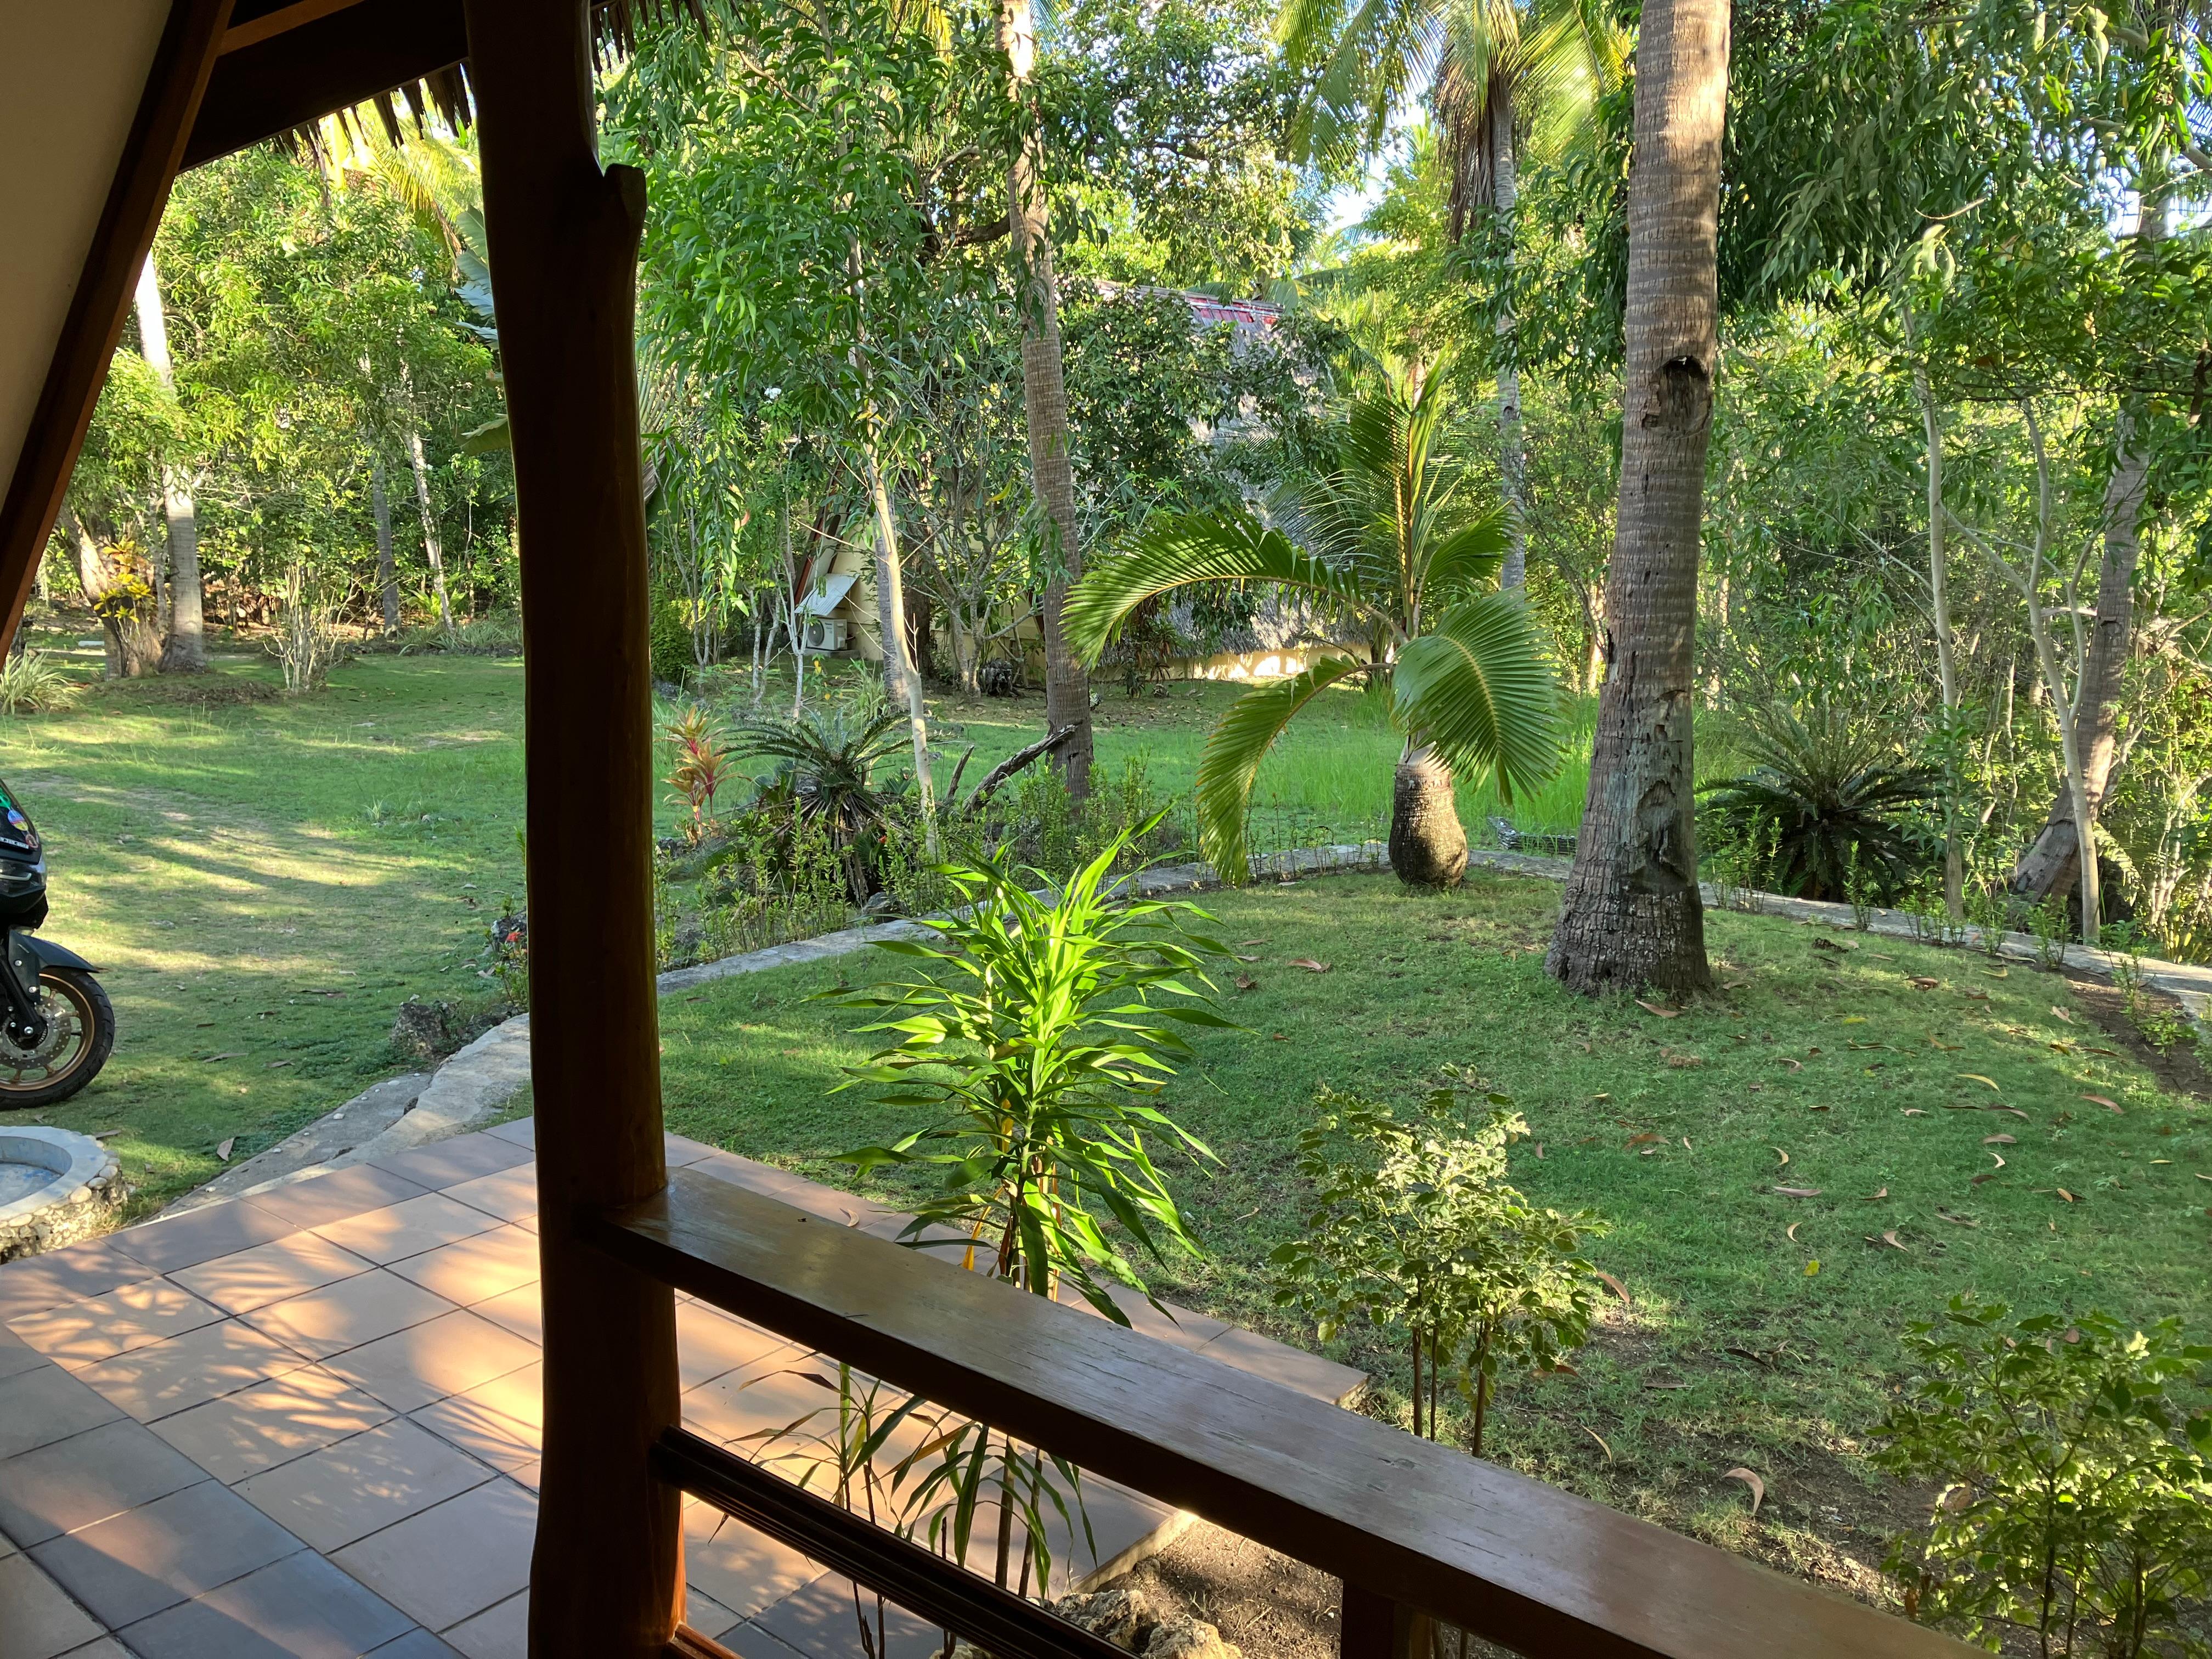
(1631, 915)
(1500, 74)
(1389, 539)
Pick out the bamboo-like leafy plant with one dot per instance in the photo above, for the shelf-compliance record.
(1391, 540)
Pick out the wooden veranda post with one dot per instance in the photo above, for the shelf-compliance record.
(606, 1581)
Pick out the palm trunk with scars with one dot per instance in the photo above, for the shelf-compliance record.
(186, 652)
(1631, 914)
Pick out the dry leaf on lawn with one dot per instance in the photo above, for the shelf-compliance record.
(1251, 941)
(1654, 1008)
(222, 1151)
(2061, 1013)
(1789, 1233)
(1870, 1197)
(1645, 1139)
(1799, 1192)
(1737, 985)
(1912, 1111)
(1246, 982)
(1976, 1077)
(1616, 1287)
(1920, 982)
(1241, 956)
(2104, 1101)
(1784, 1156)
(1600, 1438)
(1794, 1064)
(1758, 1488)
(1891, 1239)
(2067, 1196)
(1309, 964)
(234, 1054)
(1998, 1140)
(1958, 1220)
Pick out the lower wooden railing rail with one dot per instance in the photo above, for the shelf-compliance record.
(1409, 1526)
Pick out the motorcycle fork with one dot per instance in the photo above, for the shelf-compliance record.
(26, 1024)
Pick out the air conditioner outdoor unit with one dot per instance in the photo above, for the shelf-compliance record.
(825, 633)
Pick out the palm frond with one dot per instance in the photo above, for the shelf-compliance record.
(1477, 688)
(1466, 560)
(1233, 754)
(1183, 552)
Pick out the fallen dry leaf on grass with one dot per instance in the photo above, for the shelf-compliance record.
(1600, 1438)
(1737, 985)
(1921, 982)
(1309, 964)
(1976, 1077)
(1246, 982)
(222, 1151)
(1958, 1220)
(1975, 996)
(2113, 1052)
(2108, 1103)
(1666, 1385)
(234, 1054)
(1758, 1488)
(2015, 1111)
(1996, 972)
(1789, 1233)
(1889, 1239)
(1540, 1149)
(1241, 956)
(1794, 1064)
(2061, 1013)
(1799, 1192)
(1784, 1156)
(1912, 1111)
(1870, 1197)
(1654, 1008)
(1645, 1139)
(1249, 941)
(1616, 1287)
(102, 1134)
(2067, 1196)
(1998, 1140)
(274, 1064)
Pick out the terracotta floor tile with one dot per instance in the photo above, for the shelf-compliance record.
(72, 1483)
(682, 1150)
(775, 1394)
(100, 1327)
(502, 1421)
(407, 1229)
(189, 1370)
(448, 1163)
(820, 1622)
(499, 1632)
(17, 1355)
(451, 1563)
(742, 1570)
(202, 1235)
(36, 1283)
(520, 1310)
(710, 1343)
(38, 1408)
(476, 1269)
(271, 1273)
(38, 1620)
(523, 1131)
(334, 1197)
(348, 1313)
(331, 1498)
(511, 1195)
(300, 1607)
(412, 1367)
(259, 1428)
(134, 1564)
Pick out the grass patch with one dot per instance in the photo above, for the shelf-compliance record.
(1731, 1351)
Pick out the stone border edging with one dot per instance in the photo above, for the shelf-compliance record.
(484, 1076)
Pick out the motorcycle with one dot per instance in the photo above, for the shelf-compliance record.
(56, 1025)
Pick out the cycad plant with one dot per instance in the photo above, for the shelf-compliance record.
(1391, 540)
(1825, 804)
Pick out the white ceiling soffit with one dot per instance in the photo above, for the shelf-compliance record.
(77, 71)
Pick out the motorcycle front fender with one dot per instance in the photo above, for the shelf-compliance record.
(52, 955)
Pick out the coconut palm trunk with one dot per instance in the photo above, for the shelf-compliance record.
(1512, 454)
(1428, 843)
(185, 650)
(1045, 405)
(387, 570)
(1631, 915)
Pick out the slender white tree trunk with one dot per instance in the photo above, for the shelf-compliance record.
(387, 569)
(1939, 594)
(430, 548)
(890, 593)
(185, 651)
(1512, 453)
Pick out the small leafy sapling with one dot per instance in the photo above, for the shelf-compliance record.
(2074, 1506)
(1415, 1232)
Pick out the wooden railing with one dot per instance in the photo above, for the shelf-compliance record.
(1412, 1527)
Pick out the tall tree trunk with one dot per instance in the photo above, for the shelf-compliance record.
(2053, 859)
(186, 652)
(387, 570)
(431, 551)
(891, 586)
(1044, 404)
(1631, 915)
(1947, 669)
(126, 619)
(1512, 454)
(1428, 844)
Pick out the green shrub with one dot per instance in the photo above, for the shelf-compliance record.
(2074, 1501)
(30, 684)
(673, 661)
(1415, 1231)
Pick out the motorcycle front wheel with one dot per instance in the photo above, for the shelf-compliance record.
(80, 1036)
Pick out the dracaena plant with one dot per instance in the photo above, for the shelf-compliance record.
(1041, 1033)
(1391, 542)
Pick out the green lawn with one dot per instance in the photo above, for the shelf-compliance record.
(1736, 1349)
(265, 879)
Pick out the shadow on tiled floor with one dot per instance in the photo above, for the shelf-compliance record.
(306, 1423)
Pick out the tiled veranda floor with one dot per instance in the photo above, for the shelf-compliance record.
(306, 1423)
